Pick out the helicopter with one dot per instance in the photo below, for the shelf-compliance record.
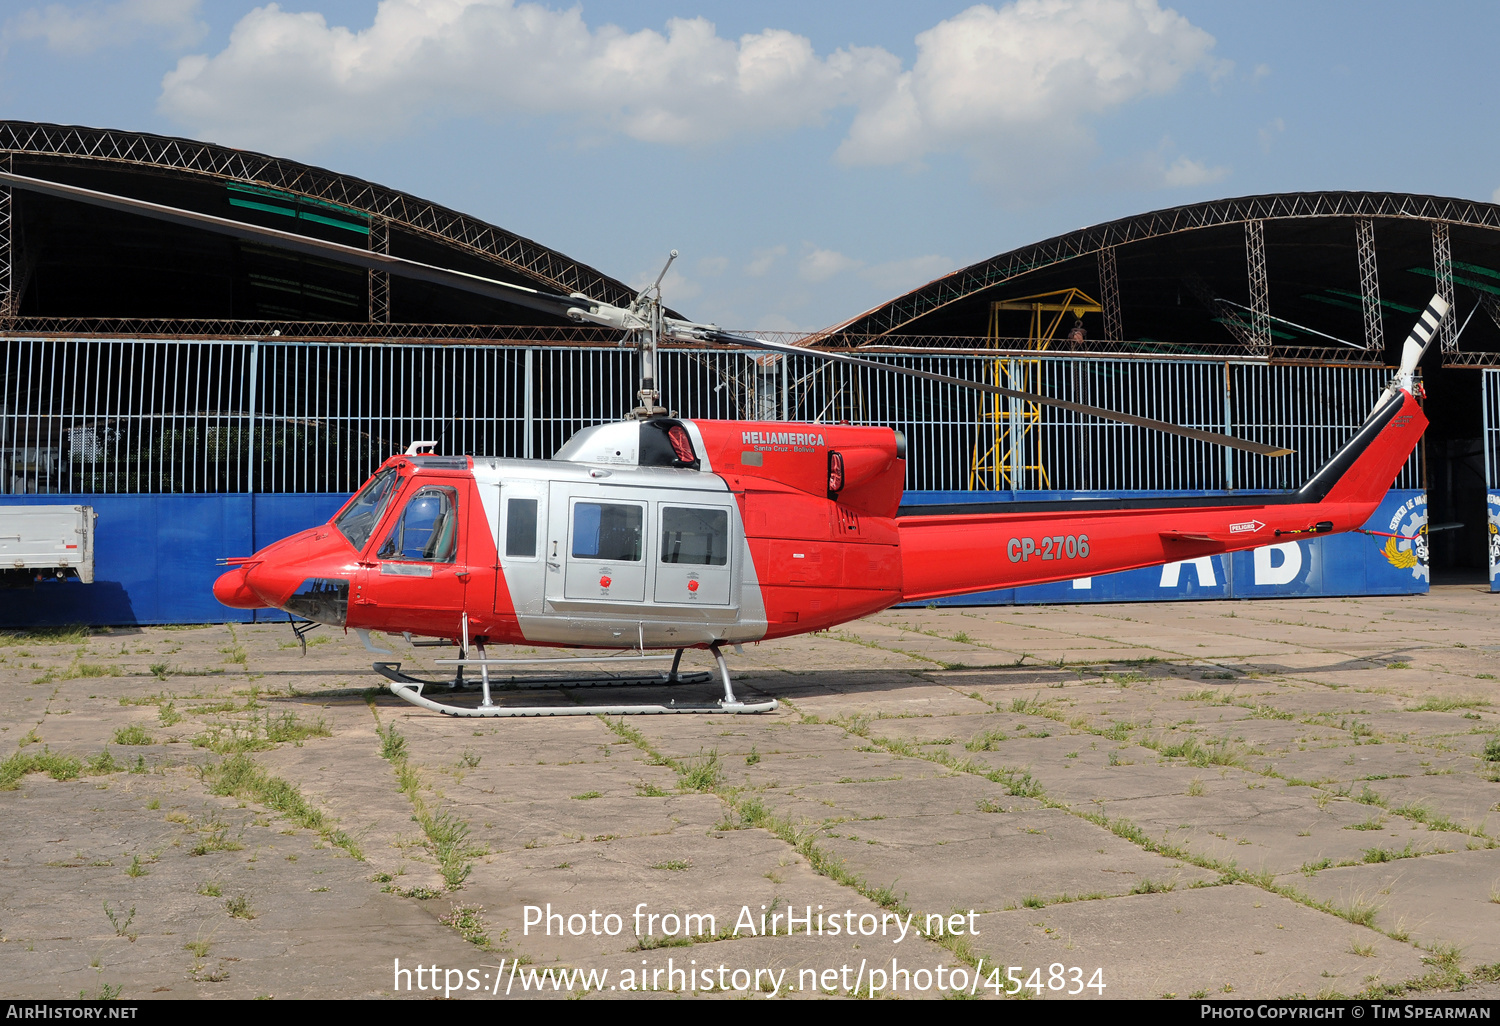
(659, 533)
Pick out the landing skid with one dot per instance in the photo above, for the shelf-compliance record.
(392, 672)
(410, 689)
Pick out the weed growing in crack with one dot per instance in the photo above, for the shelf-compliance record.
(1390, 854)
(58, 767)
(135, 734)
(120, 920)
(392, 744)
(704, 773)
(468, 920)
(1149, 886)
(988, 741)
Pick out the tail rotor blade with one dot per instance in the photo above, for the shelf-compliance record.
(1413, 349)
(1422, 334)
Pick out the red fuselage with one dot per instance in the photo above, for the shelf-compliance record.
(684, 533)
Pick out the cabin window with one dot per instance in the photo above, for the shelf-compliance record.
(696, 536)
(428, 529)
(607, 530)
(358, 521)
(520, 528)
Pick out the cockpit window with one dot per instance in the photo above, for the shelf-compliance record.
(428, 529)
(358, 521)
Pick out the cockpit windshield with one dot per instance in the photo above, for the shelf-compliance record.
(363, 515)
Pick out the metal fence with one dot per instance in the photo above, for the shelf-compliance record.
(141, 415)
(1492, 429)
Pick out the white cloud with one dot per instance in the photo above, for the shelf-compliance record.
(763, 261)
(1009, 87)
(84, 29)
(1495, 196)
(1185, 172)
(713, 266)
(1032, 74)
(821, 264)
(290, 80)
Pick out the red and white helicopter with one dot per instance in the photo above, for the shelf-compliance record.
(660, 533)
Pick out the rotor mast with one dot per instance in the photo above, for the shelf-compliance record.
(643, 324)
(648, 302)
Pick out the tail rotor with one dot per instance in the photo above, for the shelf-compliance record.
(1422, 334)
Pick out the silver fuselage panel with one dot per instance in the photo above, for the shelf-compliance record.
(621, 555)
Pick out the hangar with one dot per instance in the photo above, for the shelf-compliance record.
(210, 394)
(1299, 279)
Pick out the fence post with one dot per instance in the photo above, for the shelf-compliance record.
(254, 367)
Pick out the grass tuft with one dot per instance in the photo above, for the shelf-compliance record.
(1149, 886)
(258, 734)
(58, 767)
(135, 734)
(392, 744)
(987, 741)
(239, 777)
(468, 920)
(1446, 703)
(704, 773)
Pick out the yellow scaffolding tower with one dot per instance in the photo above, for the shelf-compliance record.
(1001, 453)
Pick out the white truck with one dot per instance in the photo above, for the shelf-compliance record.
(38, 542)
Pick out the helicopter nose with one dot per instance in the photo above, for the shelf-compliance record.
(272, 583)
(231, 589)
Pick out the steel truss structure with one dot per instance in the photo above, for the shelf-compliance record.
(380, 281)
(165, 155)
(1260, 287)
(1442, 272)
(1251, 211)
(1109, 293)
(273, 415)
(1369, 285)
(388, 210)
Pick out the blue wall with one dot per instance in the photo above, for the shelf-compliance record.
(155, 556)
(1343, 564)
(1492, 538)
(155, 560)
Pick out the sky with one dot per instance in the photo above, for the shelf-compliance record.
(808, 161)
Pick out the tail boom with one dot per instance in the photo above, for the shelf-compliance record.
(954, 550)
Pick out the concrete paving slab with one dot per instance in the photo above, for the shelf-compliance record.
(1436, 899)
(1225, 942)
(896, 809)
(113, 895)
(997, 861)
(1275, 830)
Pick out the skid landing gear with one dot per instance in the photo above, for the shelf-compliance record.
(410, 689)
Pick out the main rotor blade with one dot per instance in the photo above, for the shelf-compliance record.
(1211, 437)
(520, 295)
